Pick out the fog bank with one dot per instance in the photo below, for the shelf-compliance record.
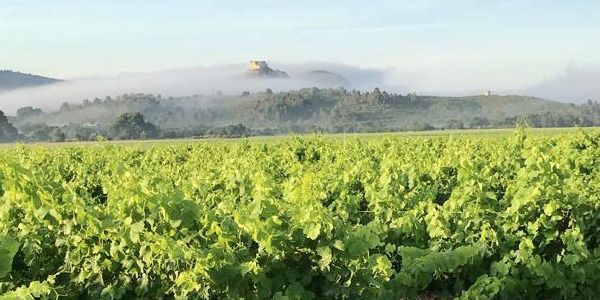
(576, 85)
(229, 79)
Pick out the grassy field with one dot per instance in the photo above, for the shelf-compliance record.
(483, 133)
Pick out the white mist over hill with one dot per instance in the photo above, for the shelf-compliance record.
(575, 84)
(229, 79)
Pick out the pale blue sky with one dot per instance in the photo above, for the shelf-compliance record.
(513, 43)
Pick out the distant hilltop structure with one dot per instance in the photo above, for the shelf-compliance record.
(260, 68)
(488, 93)
(319, 78)
(257, 66)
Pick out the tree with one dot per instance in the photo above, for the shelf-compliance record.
(132, 126)
(56, 135)
(455, 124)
(41, 132)
(418, 126)
(231, 131)
(478, 122)
(28, 111)
(413, 97)
(65, 107)
(8, 133)
(377, 95)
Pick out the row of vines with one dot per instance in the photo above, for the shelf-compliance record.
(304, 218)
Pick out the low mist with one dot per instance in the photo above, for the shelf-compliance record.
(576, 85)
(229, 80)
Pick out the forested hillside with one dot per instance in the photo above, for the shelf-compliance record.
(305, 110)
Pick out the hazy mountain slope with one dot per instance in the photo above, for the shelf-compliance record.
(438, 110)
(397, 111)
(308, 107)
(10, 80)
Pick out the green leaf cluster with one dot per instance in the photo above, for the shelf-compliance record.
(304, 218)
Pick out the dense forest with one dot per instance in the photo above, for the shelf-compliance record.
(134, 116)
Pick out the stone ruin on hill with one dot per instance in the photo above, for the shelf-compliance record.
(260, 68)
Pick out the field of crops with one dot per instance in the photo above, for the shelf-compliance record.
(508, 217)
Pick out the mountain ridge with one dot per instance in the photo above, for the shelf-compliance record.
(302, 111)
(12, 80)
(310, 106)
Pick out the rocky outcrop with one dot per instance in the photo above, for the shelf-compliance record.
(259, 68)
(318, 78)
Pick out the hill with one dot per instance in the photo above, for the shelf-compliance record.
(10, 80)
(382, 110)
(309, 110)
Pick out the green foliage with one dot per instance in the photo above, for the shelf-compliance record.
(8, 132)
(56, 135)
(304, 218)
(8, 249)
(309, 110)
(28, 112)
(43, 133)
(132, 126)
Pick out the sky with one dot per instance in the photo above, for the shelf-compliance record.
(444, 46)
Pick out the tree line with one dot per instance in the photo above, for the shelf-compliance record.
(139, 116)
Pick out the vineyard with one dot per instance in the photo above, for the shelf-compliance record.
(513, 217)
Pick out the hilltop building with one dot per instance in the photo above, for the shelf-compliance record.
(260, 68)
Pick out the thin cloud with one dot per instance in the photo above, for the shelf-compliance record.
(577, 84)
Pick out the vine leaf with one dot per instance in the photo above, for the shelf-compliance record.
(8, 249)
